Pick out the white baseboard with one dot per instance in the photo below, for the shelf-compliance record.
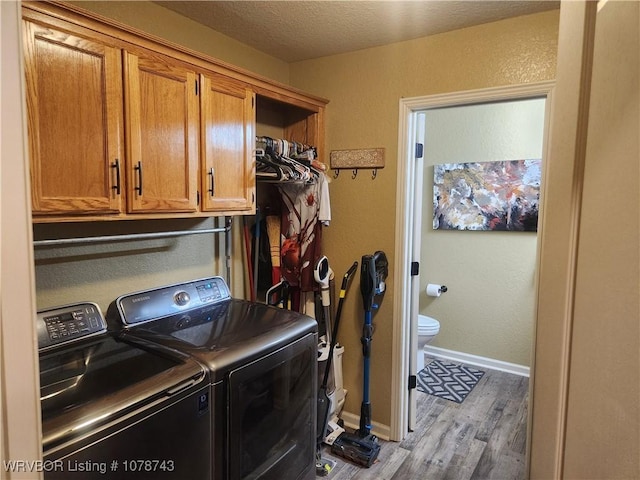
(353, 422)
(476, 360)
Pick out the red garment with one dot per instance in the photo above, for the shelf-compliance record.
(301, 234)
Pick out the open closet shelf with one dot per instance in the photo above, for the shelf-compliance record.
(280, 161)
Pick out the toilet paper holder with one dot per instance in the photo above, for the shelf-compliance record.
(435, 290)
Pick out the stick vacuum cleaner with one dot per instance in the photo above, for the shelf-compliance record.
(362, 447)
(323, 465)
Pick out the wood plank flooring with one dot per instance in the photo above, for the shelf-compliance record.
(483, 438)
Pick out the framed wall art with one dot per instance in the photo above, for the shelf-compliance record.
(501, 195)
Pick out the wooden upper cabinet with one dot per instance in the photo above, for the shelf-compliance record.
(74, 104)
(123, 125)
(162, 134)
(228, 140)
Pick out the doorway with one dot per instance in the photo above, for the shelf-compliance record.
(413, 112)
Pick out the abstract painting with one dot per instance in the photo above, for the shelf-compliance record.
(500, 195)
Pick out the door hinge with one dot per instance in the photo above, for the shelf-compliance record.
(413, 382)
(415, 268)
(419, 150)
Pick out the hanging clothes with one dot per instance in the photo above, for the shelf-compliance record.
(278, 160)
(303, 187)
(301, 230)
(324, 211)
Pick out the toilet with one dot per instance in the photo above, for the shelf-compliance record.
(427, 329)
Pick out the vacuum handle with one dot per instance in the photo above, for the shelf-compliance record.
(336, 325)
(347, 278)
(323, 275)
(375, 269)
(381, 265)
(367, 281)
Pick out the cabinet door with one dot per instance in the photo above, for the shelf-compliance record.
(162, 128)
(74, 104)
(227, 111)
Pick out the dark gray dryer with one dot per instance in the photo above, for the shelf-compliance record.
(116, 410)
(263, 370)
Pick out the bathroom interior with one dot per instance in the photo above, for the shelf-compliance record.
(486, 317)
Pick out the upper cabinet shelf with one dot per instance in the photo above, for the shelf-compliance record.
(123, 126)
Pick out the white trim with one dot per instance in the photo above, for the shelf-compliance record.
(20, 422)
(401, 334)
(352, 421)
(402, 286)
(416, 171)
(476, 360)
(485, 95)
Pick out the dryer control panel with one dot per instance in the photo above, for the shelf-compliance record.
(69, 323)
(149, 305)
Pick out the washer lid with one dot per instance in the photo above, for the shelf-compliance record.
(93, 382)
(227, 334)
(200, 318)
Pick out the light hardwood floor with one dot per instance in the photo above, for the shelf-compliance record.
(484, 437)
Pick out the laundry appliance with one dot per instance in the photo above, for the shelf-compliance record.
(116, 410)
(262, 365)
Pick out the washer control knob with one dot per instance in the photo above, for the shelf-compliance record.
(181, 298)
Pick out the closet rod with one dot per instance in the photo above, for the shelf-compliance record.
(133, 236)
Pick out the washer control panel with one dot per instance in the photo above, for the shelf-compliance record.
(146, 306)
(69, 323)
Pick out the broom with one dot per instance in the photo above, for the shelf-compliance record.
(273, 232)
(247, 246)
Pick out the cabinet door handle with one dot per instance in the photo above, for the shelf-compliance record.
(211, 188)
(139, 187)
(116, 165)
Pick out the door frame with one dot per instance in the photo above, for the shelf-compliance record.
(402, 291)
(20, 420)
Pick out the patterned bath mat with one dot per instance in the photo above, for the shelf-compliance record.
(448, 380)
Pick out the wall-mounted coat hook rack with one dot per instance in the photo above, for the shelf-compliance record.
(372, 158)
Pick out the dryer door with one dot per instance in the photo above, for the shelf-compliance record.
(273, 414)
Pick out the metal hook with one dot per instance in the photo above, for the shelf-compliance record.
(354, 173)
(374, 174)
(336, 172)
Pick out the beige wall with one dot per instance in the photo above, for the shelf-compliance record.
(603, 420)
(365, 88)
(162, 22)
(586, 408)
(101, 272)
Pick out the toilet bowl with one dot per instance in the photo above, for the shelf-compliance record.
(428, 328)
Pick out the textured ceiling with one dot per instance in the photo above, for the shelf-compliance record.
(301, 30)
